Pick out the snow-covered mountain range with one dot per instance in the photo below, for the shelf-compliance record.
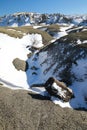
(64, 57)
(20, 19)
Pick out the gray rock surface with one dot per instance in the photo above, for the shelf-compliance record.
(22, 110)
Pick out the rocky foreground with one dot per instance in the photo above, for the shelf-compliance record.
(22, 110)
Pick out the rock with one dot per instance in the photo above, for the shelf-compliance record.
(20, 64)
(22, 110)
(58, 89)
(1, 84)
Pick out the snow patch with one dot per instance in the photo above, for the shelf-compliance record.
(85, 41)
(59, 102)
(14, 25)
(79, 87)
(79, 41)
(60, 91)
(60, 34)
(11, 48)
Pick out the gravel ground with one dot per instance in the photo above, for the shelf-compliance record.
(22, 110)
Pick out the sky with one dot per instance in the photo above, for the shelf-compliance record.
(43, 6)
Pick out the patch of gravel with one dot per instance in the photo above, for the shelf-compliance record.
(23, 110)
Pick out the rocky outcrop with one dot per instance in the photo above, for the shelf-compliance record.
(58, 89)
(22, 110)
(20, 64)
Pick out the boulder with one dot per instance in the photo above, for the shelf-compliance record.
(58, 89)
(20, 64)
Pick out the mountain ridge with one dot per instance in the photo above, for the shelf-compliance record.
(29, 18)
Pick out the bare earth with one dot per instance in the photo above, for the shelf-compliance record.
(22, 110)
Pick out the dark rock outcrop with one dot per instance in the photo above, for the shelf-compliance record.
(58, 89)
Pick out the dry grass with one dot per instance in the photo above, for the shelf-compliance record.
(11, 32)
(80, 35)
(73, 37)
(53, 28)
(19, 32)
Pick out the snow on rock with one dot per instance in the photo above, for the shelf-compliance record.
(85, 41)
(61, 103)
(60, 34)
(60, 91)
(14, 25)
(11, 48)
(36, 40)
(25, 18)
(78, 29)
(79, 41)
(35, 27)
(63, 31)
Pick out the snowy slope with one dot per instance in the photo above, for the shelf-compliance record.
(11, 48)
(64, 61)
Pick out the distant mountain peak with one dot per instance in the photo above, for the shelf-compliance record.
(36, 18)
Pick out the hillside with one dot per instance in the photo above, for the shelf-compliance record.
(33, 48)
(65, 58)
(19, 32)
(36, 52)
